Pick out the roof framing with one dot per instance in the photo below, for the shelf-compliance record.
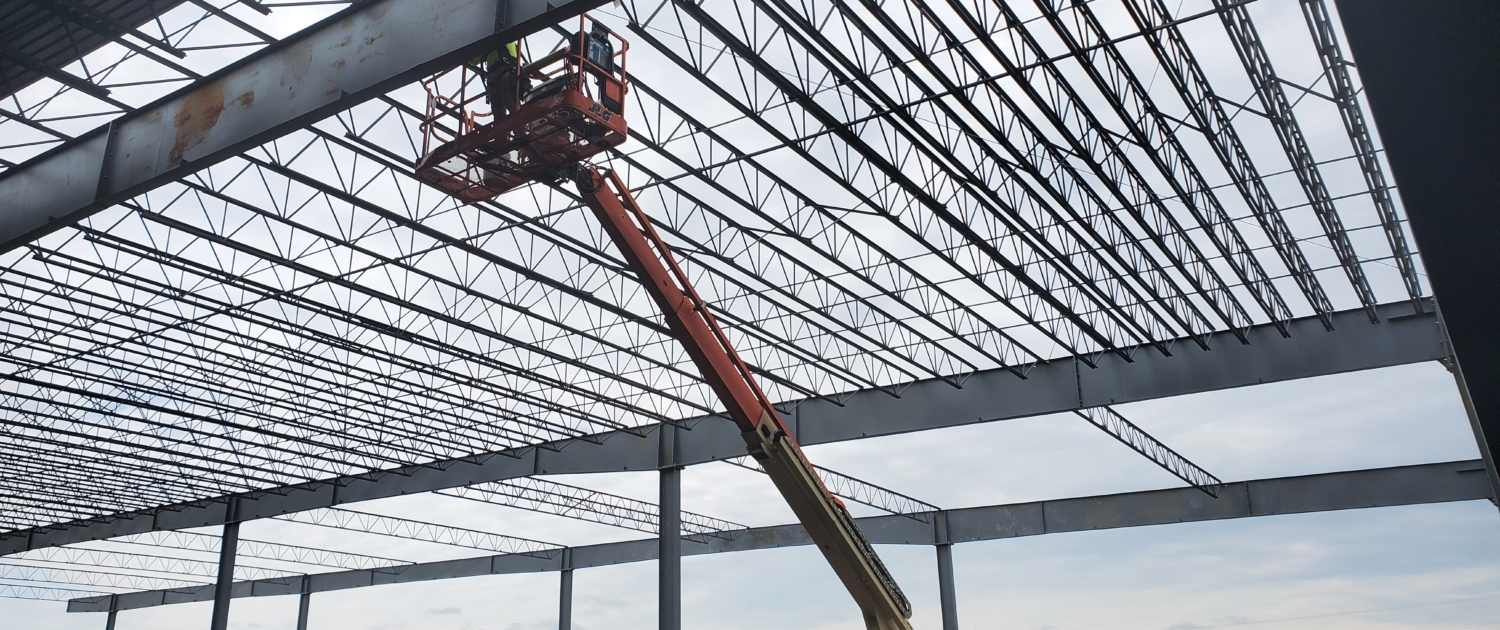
(235, 301)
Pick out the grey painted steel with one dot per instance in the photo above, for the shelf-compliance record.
(1058, 386)
(355, 55)
(565, 593)
(109, 620)
(224, 583)
(946, 591)
(304, 604)
(1379, 487)
(669, 554)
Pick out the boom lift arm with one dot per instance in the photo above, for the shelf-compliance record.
(550, 131)
(824, 517)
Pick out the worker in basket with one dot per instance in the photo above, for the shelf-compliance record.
(550, 112)
(502, 88)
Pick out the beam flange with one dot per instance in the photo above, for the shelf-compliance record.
(355, 55)
(1399, 338)
(1379, 487)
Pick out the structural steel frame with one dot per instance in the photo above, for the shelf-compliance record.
(224, 296)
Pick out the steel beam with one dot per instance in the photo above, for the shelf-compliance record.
(225, 581)
(1379, 487)
(356, 54)
(1399, 338)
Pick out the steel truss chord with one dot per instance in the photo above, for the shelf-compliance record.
(45, 593)
(1182, 69)
(79, 577)
(107, 26)
(869, 174)
(395, 527)
(845, 364)
(1118, 427)
(146, 563)
(1150, 130)
(859, 490)
(1068, 219)
(792, 213)
(1045, 86)
(1336, 69)
(550, 497)
(982, 178)
(265, 550)
(1257, 63)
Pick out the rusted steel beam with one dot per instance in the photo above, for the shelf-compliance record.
(354, 55)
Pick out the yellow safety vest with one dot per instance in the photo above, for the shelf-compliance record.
(493, 59)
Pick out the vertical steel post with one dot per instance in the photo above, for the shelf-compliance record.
(304, 602)
(114, 603)
(565, 593)
(225, 582)
(947, 592)
(669, 576)
(945, 586)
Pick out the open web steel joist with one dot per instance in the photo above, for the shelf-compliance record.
(224, 295)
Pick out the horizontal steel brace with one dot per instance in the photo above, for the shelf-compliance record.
(1058, 386)
(355, 55)
(1379, 487)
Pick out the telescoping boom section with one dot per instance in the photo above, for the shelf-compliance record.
(824, 517)
(550, 116)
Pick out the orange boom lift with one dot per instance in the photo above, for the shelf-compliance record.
(574, 112)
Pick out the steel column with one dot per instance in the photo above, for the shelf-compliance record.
(669, 593)
(945, 586)
(946, 591)
(114, 609)
(564, 593)
(225, 582)
(304, 602)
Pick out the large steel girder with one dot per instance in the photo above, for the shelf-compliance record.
(986, 396)
(1380, 487)
(353, 56)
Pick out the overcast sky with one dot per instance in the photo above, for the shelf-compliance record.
(1423, 567)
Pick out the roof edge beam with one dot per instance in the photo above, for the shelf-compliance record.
(1378, 487)
(1399, 338)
